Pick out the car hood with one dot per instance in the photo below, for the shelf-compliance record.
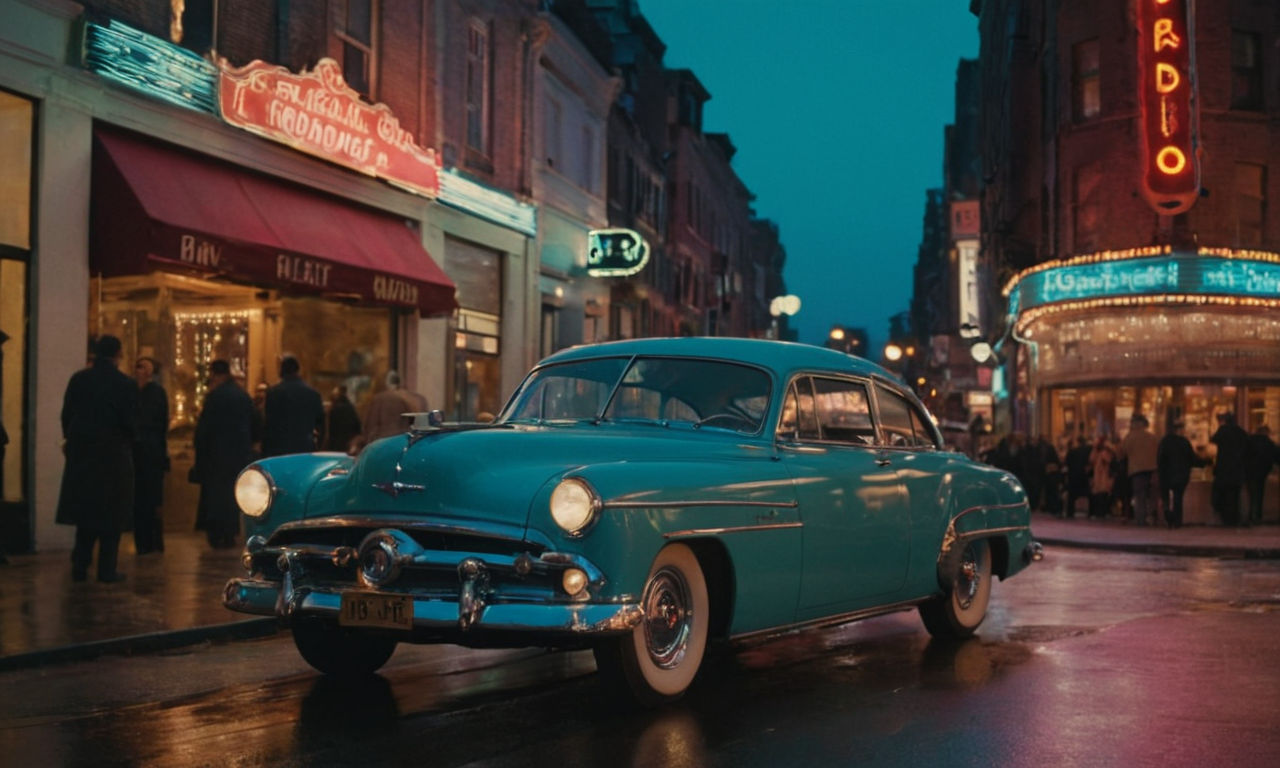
(492, 475)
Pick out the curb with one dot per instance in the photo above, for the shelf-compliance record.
(148, 643)
(1179, 550)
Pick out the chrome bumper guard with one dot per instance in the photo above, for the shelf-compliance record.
(474, 607)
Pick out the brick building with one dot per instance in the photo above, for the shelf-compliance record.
(1130, 163)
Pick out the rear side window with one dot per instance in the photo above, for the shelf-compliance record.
(799, 422)
(901, 423)
(844, 411)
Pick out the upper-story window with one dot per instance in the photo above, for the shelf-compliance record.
(1251, 203)
(191, 24)
(357, 20)
(478, 87)
(587, 162)
(553, 131)
(1086, 80)
(1246, 70)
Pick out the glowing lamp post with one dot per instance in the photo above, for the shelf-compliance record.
(782, 305)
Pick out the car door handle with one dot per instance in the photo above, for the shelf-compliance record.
(883, 461)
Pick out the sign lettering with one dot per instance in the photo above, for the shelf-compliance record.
(1171, 170)
(318, 113)
(303, 271)
(201, 253)
(615, 252)
(394, 290)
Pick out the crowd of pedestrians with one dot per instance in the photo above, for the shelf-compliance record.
(115, 433)
(1141, 478)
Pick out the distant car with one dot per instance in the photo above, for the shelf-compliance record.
(638, 498)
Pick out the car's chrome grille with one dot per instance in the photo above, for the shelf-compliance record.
(351, 536)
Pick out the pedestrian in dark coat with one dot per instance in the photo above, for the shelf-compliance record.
(1174, 459)
(224, 439)
(294, 413)
(1263, 455)
(150, 458)
(1077, 474)
(98, 422)
(1228, 468)
(344, 422)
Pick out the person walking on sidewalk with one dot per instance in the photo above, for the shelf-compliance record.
(99, 411)
(344, 422)
(1139, 449)
(150, 458)
(294, 413)
(1263, 455)
(1228, 468)
(1103, 481)
(1174, 459)
(384, 416)
(225, 433)
(1077, 474)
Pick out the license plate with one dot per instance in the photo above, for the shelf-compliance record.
(374, 609)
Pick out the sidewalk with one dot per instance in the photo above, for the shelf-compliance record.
(174, 599)
(167, 600)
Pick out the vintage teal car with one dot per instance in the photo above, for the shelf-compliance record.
(639, 498)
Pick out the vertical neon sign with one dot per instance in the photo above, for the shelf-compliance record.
(1171, 168)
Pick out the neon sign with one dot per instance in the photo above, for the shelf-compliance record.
(317, 112)
(1171, 168)
(616, 252)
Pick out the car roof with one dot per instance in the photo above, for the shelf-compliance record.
(780, 356)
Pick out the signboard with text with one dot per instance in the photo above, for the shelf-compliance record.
(616, 252)
(318, 113)
(1171, 166)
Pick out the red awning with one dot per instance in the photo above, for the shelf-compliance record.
(161, 208)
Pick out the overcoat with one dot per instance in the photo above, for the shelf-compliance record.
(292, 416)
(224, 439)
(98, 424)
(151, 445)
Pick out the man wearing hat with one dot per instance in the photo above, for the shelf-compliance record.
(1139, 447)
(1174, 459)
(225, 433)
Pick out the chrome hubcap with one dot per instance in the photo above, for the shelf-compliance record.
(968, 579)
(668, 618)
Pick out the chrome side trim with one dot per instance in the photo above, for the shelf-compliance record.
(827, 621)
(733, 529)
(702, 503)
(949, 538)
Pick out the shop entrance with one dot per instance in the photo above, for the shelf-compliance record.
(184, 323)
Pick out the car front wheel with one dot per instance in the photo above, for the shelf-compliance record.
(958, 613)
(337, 651)
(657, 662)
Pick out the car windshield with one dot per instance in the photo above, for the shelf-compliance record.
(667, 391)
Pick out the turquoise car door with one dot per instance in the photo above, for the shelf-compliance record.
(856, 523)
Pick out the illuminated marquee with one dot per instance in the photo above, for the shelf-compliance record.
(1171, 168)
(1179, 273)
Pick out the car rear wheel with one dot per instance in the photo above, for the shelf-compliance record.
(658, 661)
(335, 650)
(958, 613)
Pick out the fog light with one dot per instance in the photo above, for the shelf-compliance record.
(574, 581)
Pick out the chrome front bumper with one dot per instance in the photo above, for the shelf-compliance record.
(266, 598)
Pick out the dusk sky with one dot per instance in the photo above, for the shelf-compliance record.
(837, 108)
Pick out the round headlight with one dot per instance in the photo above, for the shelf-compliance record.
(253, 492)
(574, 504)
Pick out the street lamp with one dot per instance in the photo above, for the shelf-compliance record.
(782, 305)
(892, 352)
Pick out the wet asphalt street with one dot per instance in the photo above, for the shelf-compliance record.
(1087, 659)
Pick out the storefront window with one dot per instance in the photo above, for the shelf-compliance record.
(185, 323)
(477, 272)
(17, 120)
